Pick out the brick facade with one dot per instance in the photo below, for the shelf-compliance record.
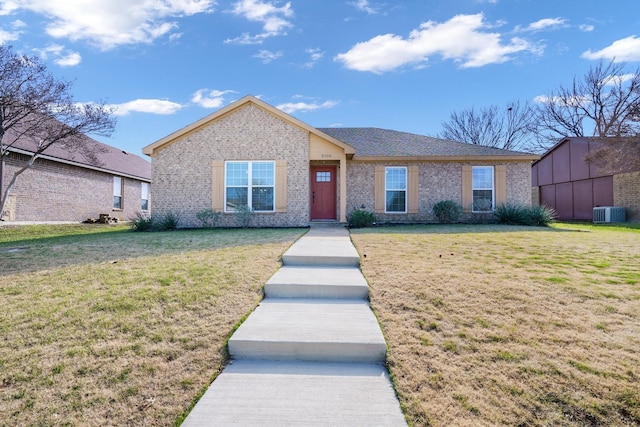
(438, 181)
(182, 171)
(188, 169)
(626, 193)
(54, 191)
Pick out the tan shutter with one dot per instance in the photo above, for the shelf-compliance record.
(412, 189)
(379, 190)
(467, 188)
(281, 186)
(217, 186)
(501, 184)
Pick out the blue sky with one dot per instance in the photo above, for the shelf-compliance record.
(402, 65)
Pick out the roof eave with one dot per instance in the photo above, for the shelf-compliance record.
(150, 150)
(79, 164)
(503, 158)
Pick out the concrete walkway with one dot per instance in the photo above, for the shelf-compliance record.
(312, 353)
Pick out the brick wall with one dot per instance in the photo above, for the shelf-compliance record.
(52, 191)
(437, 181)
(626, 193)
(182, 171)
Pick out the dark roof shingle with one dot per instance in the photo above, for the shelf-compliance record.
(376, 142)
(101, 156)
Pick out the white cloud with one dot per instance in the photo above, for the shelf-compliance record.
(151, 106)
(315, 55)
(210, 98)
(365, 6)
(305, 107)
(14, 33)
(544, 24)
(61, 56)
(619, 80)
(586, 28)
(561, 101)
(268, 56)
(109, 23)
(274, 19)
(461, 39)
(623, 50)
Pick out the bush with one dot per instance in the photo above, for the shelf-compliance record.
(148, 223)
(208, 217)
(141, 223)
(244, 215)
(541, 215)
(359, 218)
(524, 215)
(447, 211)
(167, 222)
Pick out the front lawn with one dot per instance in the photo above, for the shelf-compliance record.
(500, 325)
(101, 326)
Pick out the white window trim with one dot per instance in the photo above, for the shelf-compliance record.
(406, 193)
(119, 193)
(249, 185)
(493, 189)
(144, 185)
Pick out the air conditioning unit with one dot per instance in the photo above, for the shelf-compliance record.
(608, 214)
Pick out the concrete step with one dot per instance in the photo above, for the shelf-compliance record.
(317, 282)
(310, 330)
(261, 393)
(323, 246)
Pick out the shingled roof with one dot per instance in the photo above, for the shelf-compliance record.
(102, 157)
(376, 142)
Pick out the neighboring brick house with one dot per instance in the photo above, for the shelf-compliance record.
(563, 180)
(290, 173)
(65, 185)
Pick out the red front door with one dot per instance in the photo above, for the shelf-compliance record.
(323, 192)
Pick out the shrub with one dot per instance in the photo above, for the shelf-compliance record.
(524, 215)
(141, 222)
(447, 211)
(208, 217)
(244, 215)
(541, 215)
(167, 222)
(148, 223)
(360, 218)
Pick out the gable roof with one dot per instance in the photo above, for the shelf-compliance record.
(249, 99)
(373, 143)
(103, 157)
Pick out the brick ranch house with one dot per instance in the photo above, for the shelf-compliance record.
(563, 180)
(65, 185)
(290, 173)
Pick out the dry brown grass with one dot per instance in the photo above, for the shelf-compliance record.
(131, 328)
(498, 325)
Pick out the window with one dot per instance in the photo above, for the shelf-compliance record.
(323, 176)
(482, 185)
(144, 190)
(250, 184)
(396, 189)
(117, 192)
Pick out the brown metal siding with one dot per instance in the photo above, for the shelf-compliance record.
(583, 199)
(603, 191)
(561, 164)
(564, 200)
(548, 196)
(545, 171)
(579, 168)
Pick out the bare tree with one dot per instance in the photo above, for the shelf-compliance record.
(507, 128)
(605, 103)
(38, 110)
